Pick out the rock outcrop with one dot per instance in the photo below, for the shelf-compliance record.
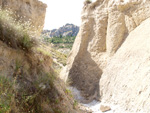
(110, 56)
(32, 11)
(126, 79)
(64, 31)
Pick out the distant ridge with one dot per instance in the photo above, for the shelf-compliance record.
(64, 31)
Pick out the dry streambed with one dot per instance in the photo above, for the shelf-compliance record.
(92, 107)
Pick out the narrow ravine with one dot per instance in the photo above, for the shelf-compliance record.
(91, 107)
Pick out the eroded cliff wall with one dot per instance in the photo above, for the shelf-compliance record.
(28, 82)
(108, 25)
(32, 11)
(125, 80)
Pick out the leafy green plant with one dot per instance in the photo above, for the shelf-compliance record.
(75, 103)
(67, 91)
(57, 101)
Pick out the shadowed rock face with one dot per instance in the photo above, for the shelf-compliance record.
(101, 48)
(27, 10)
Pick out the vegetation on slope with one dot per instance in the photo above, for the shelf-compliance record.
(61, 42)
(29, 85)
(60, 48)
(15, 33)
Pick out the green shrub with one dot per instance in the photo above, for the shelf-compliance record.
(75, 104)
(61, 42)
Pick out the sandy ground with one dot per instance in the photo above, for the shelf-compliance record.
(93, 107)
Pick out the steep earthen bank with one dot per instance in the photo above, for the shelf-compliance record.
(102, 63)
(28, 82)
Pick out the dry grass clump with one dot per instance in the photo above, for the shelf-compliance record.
(15, 33)
(61, 58)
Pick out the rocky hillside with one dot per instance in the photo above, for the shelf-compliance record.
(28, 82)
(110, 57)
(66, 30)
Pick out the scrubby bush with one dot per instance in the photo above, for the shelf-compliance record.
(15, 33)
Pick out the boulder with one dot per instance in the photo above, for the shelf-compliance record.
(104, 108)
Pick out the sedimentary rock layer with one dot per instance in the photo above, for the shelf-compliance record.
(112, 47)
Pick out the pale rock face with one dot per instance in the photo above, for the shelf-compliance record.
(125, 80)
(111, 32)
(27, 10)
